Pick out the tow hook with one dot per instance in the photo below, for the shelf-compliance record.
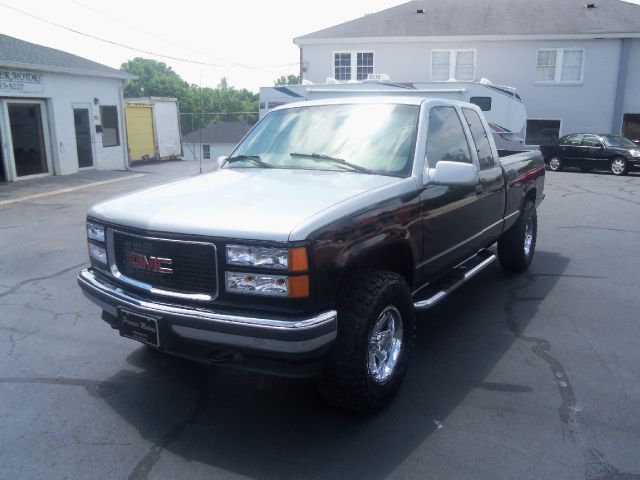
(223, 356)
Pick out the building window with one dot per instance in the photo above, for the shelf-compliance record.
(206, 151)
(542, 132)
(352, 65)
(342, 66)
(453, 64)
(364, 65)
(110, 131)
(559, 65)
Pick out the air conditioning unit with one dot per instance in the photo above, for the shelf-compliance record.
(381, 77)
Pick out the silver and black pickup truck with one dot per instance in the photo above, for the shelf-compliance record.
(310, 250)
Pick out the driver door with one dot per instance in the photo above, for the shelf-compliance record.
(451, 217)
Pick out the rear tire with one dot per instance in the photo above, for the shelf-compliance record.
(376, 332)
(555, 164)
(517, 245)
(619, 166)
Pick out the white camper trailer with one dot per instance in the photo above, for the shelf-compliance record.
(501, 105)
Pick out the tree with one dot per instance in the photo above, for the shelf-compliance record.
(199, 106)
(288, 80)
(154, 79)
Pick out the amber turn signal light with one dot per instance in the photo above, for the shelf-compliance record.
(299, 286)
(298, 261)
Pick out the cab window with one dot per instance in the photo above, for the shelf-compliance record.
(480, 138)
(445, 137)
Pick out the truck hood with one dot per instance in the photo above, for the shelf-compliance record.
(260, 204)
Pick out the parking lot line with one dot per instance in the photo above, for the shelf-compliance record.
(70, 189)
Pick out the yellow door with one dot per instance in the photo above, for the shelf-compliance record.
(142, 145)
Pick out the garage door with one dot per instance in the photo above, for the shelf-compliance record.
(142, 145)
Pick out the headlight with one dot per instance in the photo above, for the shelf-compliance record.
(257, 284)
(276, 258)
(285, 260)
(635, 153)
(264, 284)
(95, 232)
(294, 259)
(98, 253)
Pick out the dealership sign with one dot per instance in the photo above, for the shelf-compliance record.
(24, 82)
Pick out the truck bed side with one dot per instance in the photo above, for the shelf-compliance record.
(524, 176)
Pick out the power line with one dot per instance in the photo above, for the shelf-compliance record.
(122, 45)
(171, 42)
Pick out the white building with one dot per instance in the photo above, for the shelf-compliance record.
(213, 140)
(59, 113)
(576, 64)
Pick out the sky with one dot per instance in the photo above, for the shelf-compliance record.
(250, 41)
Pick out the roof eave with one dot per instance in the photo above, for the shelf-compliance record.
(302, 41)
(73, 71)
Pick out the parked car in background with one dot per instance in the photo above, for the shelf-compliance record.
(588, 151)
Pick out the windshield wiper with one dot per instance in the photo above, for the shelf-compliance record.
(340, 161)
(254, 158)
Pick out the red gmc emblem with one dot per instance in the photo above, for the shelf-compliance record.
(150, 264)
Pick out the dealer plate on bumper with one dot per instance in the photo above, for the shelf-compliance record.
(139, 327)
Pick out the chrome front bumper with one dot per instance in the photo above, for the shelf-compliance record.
(258, 334)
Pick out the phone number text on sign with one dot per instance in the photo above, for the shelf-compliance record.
(20, 81)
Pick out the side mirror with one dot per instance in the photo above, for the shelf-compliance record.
(601, 147)
(453, 173)
(219, 161)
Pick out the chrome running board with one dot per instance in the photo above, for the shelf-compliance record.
(460, 275)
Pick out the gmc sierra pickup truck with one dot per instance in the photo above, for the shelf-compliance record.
(310, 250)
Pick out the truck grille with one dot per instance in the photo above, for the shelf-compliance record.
(192, 266)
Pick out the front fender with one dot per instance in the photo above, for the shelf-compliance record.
(361, 235)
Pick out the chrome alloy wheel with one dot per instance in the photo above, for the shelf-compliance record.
(528, 237)
(385, 344)
(618, 166)
(554, 164)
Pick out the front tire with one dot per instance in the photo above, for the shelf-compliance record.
(376, 332)
(619, 166)
(555, 164)
(517, 245)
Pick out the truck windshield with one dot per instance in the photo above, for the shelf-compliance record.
(361, 138)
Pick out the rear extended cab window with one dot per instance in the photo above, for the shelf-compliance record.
(481, 139)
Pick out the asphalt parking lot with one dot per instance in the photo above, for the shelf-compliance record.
(531, 376)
